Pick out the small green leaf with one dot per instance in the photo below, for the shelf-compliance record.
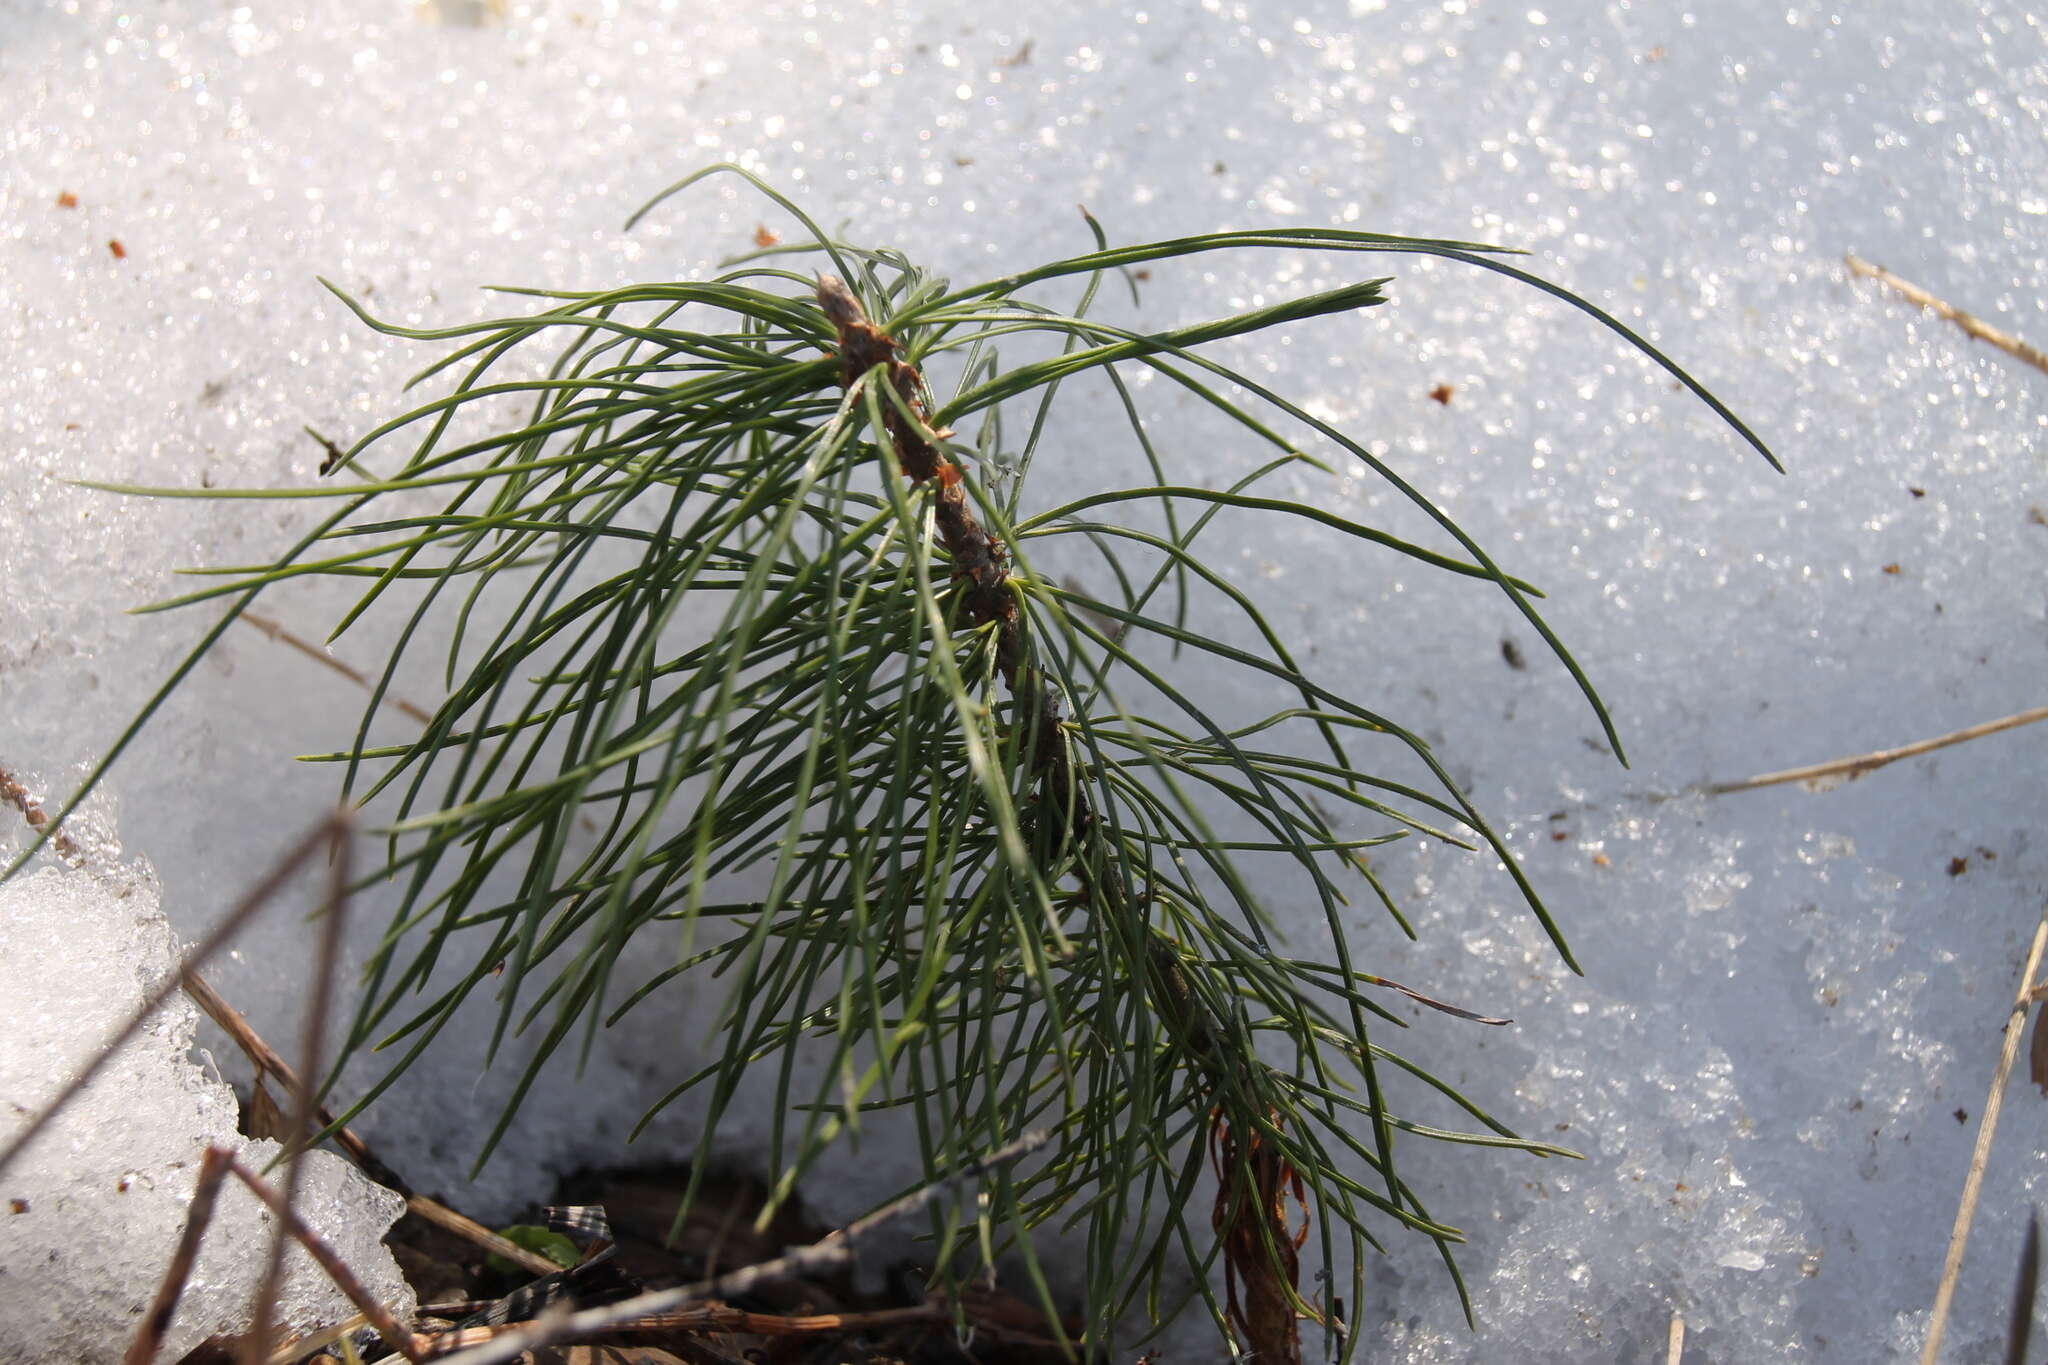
(549, 1243)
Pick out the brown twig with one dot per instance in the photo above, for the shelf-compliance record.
(1254, 1231)
(262, 1056)
(1973, 1183)
(1849, 769)
(1674, 1341)
(831, 1252)
(265, 1060)
(2019, 1325)
(1255, 1188)
(1974, 326)
(390, 1328)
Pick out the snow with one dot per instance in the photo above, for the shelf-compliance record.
(98, 1200)
(1776, 1058)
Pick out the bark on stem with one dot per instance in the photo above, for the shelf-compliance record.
(1254, 1178)
(977, 556)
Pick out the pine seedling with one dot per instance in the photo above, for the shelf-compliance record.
(744, 638)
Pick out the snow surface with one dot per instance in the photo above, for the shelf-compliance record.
(1791, 1009)
(98, 1200)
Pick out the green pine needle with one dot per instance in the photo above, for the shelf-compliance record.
(713, 676)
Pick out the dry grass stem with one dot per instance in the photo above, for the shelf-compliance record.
(829, 1252)
(290, 1224)
(1973, 326)
(1849, 769)
(718, 1318)
(265, 1060)
(311, 1348)
(1674, 1342)
(331, 832)
(1973, 1183)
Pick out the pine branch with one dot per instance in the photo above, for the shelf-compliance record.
(1251, 1211)
(767, 672)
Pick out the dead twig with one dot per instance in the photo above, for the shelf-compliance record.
(1849, 769)
(1973, 1183)
(830, 1252)
(332, 830)
(1973, 326)
(1674, 1341)
(393, 1331)
(266, 1061)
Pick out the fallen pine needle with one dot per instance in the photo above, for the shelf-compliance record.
(1849, 769)
(441, 1216)
(276, 631)
(1973, 1183)
(716, 1318)
(1974, 326)
(834, 1251)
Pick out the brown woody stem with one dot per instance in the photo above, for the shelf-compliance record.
(978, 557)
(1251, 1211)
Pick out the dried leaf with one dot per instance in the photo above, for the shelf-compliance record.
(264, 1118)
